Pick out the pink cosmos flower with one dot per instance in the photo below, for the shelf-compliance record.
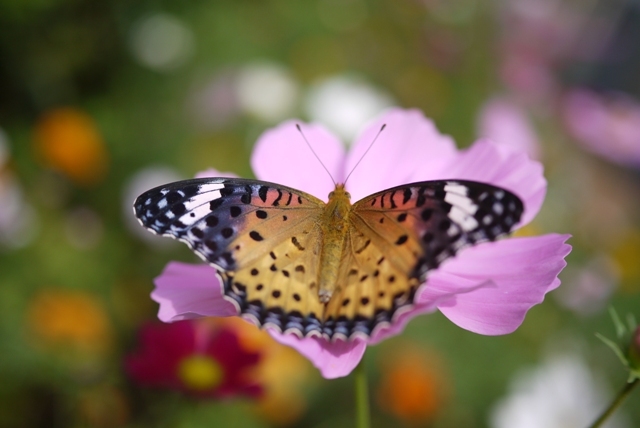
(486, 289)
(606, 125)
(196, 358)
(503, 121)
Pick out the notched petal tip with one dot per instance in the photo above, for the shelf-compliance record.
(520, 270)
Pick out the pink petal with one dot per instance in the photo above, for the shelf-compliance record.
(186, 291)
(282, 156)
(405, 151)
(333, 359)
(506, 123)
(520, 270)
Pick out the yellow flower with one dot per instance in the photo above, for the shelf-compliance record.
(64, 318)
(69, 142)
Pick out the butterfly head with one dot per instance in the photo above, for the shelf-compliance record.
(340, 193)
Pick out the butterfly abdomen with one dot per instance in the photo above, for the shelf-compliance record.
(334, 225)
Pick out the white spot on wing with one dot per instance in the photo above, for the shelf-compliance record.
(462, 218)
(162, 203)
(202, 199)
(199, 211)
(462, 202)
(210, 187)
(456, 188)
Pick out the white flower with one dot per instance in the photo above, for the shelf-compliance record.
(344, 104)
(267, 91)
(561, 393)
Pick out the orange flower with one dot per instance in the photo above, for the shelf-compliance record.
(69, 142)
(65, 318)
(412, 386)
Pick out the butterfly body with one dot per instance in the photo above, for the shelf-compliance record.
(334, 227)
(289, 261)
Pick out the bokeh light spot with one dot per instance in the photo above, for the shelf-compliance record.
(162, 42)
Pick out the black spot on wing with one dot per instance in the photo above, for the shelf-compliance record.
(227, 232)
(406, 195)
(277, 201)
(211, 220)
(262, 193)
(215, 204)
(393, 203)
(402, 239)
(255, 236)
(297, 244)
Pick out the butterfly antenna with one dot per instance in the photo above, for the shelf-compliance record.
(365, 152)
(314, 153)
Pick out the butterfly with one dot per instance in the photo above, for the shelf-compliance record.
(288, 260)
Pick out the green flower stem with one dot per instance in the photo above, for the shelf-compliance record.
(363, 415)
(624, 392)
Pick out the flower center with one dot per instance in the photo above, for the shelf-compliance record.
(199, 372)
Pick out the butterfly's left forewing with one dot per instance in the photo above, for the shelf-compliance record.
(226, 221)
(261, 237)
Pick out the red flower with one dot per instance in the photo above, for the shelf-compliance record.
(197, 358)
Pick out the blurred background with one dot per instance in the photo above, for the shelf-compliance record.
(100, 101)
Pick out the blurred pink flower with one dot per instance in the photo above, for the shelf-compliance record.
(506, 123)
(538, 38)
(587, 289)
(199, 359)
(608, 125)
(486, 289)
